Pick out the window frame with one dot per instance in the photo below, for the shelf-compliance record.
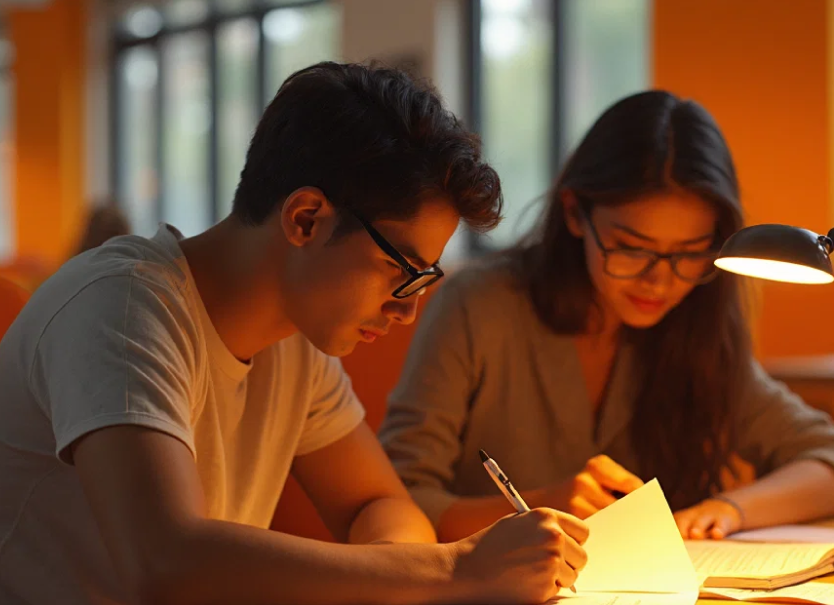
(564, 53)
(478, 245)
(120, 42)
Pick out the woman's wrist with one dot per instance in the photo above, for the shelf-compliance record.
(733, 503)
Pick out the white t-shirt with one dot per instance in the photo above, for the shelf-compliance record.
(120, 336)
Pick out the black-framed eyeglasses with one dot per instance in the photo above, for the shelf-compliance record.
(633, 263)
(418, 280)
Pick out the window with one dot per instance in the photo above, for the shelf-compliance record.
(543, 71)
(138, 181)
(6, 150)
(185, 138)
(296, 37)
(191, 80)
(237, 110)
(606, 58)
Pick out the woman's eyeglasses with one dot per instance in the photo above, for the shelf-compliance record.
(633, 263)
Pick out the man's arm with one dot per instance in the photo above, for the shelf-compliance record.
(358, 493)
(146, 496)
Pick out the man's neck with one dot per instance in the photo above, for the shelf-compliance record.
(227, 264)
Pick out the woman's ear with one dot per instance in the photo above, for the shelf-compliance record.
(573, 215)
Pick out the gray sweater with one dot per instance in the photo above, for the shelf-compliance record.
(484, 372)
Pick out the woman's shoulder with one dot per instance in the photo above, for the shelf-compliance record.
(487, 282)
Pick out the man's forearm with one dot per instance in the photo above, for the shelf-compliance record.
(391, 520)
(220, 562)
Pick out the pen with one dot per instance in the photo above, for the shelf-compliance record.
(506, 487)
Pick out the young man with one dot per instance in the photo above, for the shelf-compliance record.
(157, 392)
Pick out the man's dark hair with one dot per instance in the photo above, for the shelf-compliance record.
(370, 138)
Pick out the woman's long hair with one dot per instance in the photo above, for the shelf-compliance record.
(693, 362)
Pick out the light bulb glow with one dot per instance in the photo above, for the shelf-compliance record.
(774, 270)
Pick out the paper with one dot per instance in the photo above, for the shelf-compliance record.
(602, 598)
(737, 559)
(787, 533)
(635, 546)
(810, 592)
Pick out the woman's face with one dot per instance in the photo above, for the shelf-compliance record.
(663, 223)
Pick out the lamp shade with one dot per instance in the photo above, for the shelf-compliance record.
(778, 253)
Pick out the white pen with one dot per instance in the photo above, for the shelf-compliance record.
(503, 483)
(506, 487)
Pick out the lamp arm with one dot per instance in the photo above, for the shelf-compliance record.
(827, 241)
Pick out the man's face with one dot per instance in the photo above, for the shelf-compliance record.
(342, 292)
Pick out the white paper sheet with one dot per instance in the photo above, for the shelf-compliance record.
(740, 559)
(635, 546)
(602, 598)
(787, 533)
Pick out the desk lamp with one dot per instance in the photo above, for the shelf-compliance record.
(779, 253)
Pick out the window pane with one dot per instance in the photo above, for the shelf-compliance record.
(227, 7)
(517, 48)
(138, 78)
(298, 37)
(285, 2)
(6, 148)
(237, 43)
(185, 12)
(186, 128)
(141, 21)
(607, 57)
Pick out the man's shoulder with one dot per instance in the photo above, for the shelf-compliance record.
(125, 268)
(128, 257)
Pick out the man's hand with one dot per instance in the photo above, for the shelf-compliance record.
(592, 489)
(523, 558)
(714, 519)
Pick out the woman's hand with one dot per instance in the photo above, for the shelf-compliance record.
(593, 489)
(712, 518)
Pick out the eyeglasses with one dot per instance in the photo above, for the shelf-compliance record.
(632, 263)
(419, 280)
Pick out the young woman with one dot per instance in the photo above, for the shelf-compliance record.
(606, 349)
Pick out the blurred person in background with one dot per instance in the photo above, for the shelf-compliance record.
(104, 221)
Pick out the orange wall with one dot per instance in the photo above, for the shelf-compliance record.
(761, 67)
(49, 70)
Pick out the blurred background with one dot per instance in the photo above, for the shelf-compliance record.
(148, 107)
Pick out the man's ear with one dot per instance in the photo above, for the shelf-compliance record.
(573, 215)
(307, 216)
